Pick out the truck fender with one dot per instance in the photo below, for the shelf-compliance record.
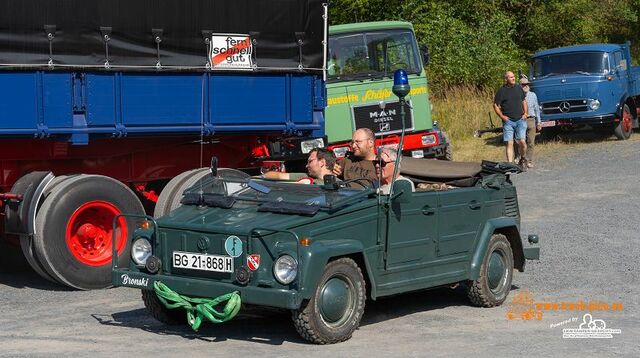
(319, 254)
(20, 216)
(507, 226)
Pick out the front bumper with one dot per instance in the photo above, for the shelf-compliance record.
(576, 121)
(261, 296)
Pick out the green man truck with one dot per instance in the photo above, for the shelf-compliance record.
(362, 59)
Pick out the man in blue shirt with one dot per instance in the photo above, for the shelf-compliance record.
(533, 120)
(510, 106)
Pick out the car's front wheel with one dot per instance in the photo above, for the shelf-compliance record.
(335, 310)
(496, 273)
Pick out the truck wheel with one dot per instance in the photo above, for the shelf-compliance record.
(496, 274)
(335, 309)
(448, 154)
(624, 128)
(161, 313)
(171, 195)
(74, 228)
(27, 243)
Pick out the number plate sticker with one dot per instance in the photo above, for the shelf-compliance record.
(204, 262)
(548, 124)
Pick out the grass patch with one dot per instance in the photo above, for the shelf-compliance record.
(462, 110)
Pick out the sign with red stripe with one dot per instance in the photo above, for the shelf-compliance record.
(232, 51)
(253, 261)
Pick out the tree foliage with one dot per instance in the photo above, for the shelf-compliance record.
(474, 42)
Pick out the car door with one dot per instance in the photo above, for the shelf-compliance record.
(459, 219)
(411, 230)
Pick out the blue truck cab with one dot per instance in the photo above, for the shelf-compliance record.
(591, 85)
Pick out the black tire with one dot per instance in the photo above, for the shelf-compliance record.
(62, 211)
(171, 195)
(624, 128)
(448, 153)
(316, 326)
(27, 242)
(489, 290)
(161, 313)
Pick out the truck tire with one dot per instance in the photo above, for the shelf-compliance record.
(496, 274)
(74, 229)
(171, 195)
(27, 242)
(448, 153)
(157, 310)
(337, 305)
(624, 128)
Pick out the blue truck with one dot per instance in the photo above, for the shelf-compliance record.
(587, 85)
(114, 106)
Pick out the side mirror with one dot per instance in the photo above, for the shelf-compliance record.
(330, 182)
(402, 191)
(425, 55)
(214, 166)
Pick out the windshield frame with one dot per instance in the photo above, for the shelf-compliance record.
(259, 185)
(605, 61)
(372, 73)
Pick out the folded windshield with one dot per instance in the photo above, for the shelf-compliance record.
(583, 63)
(220, 192)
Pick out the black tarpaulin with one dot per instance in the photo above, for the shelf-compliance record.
(78, 28)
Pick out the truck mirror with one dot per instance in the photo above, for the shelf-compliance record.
(424, 49)
(330, 182)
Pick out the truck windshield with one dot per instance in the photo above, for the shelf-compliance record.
(224, 192)
(586, 63)
(371, 55)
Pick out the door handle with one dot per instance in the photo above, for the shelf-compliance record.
(474, 205)
(427, 210)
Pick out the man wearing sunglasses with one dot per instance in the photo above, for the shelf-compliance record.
(385, 164)
(320, 162)
(359, 164)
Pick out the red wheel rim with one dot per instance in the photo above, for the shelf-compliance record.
(89, 233)
(626, 121)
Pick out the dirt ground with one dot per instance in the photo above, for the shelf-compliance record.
(584, 204)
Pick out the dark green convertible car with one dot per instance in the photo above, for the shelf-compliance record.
(322, 251)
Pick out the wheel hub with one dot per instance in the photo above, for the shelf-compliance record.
(496, 270)
(334, 300)
(626, 121)
(90, 230)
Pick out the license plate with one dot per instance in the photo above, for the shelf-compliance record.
(548, 124)
(203, 262)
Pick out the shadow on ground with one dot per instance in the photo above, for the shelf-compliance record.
(274, 326)
(29, 279)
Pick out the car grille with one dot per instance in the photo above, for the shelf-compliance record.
(511, 206)
(574, 105)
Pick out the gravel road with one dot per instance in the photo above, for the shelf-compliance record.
(584, 203)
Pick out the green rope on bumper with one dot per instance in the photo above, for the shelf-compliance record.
(199, 308)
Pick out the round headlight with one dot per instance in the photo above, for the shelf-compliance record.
(285, 269)
(140, 251)
(594, 104)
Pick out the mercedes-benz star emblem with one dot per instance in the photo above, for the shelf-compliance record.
(564, 107)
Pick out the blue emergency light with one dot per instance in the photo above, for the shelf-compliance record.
(401, 86)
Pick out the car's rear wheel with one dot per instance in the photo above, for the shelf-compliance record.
(496, 274)
(334, 311)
